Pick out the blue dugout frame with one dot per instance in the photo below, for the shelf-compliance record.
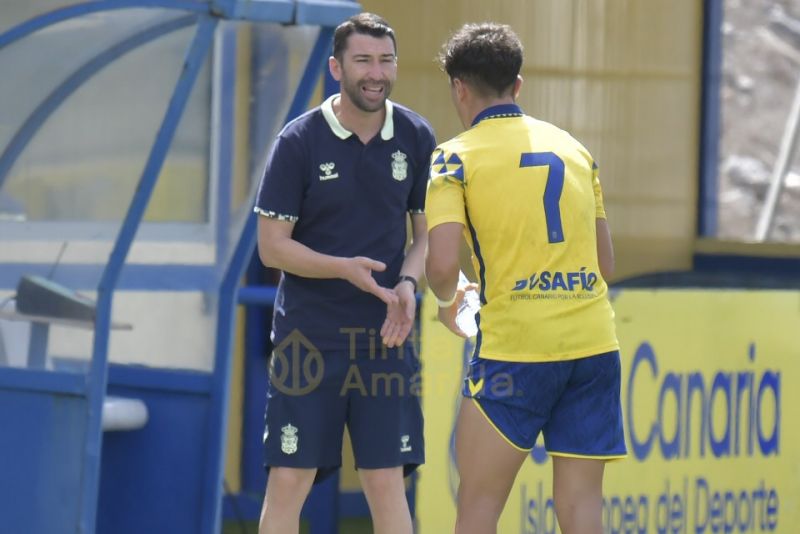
(84, 73)
(98, 374)
(708, 189)
(207, 14)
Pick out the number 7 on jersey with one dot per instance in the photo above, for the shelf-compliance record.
(552, 189)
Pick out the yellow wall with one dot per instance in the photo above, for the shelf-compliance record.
(623, 76)
(722, 458)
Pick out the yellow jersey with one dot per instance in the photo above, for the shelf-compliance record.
(528, 195)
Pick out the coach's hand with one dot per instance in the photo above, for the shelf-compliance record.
(399, 316)
(358, 271)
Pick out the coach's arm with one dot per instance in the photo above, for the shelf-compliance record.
(277, 249)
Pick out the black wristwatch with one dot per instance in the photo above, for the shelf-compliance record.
(406, 278)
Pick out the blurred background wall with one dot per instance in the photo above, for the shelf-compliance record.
(623, 76)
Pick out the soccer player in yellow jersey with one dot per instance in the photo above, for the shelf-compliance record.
(526, 197)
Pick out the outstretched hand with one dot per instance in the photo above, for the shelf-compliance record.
(399, 316)
(358, 271)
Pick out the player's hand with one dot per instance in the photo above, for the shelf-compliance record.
(399, 316)
(447, 316)
(358, 271)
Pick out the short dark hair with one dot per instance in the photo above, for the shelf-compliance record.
(365, 24)
(488, 56)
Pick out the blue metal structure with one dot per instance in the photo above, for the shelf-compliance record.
(708, 190)
(99, 366)
(61, 493)
(78, 78)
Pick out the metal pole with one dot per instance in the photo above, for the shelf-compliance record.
(98, 373)
(785, 157)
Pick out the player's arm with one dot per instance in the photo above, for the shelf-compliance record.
(605, 248)
(441, 264)
(277, 249)
(442, 270)
(446, 210)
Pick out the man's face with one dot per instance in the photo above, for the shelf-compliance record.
(367, 71)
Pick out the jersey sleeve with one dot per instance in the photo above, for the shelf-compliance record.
(600, 210)
(280, 193)
(426, 145)
(445, 201)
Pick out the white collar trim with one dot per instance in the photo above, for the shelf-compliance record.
(387, 131)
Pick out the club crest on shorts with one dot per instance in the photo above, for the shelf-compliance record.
(289, 439)
(399, 166)
(404, 446)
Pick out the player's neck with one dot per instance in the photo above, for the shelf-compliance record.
(478, 105)
(365, 124)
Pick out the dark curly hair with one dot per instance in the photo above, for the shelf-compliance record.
(487, 56)
(365, 24)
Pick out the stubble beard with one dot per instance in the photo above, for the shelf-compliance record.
(353, 91)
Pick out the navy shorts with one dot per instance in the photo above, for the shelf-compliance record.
(312, 396)
(575, 404)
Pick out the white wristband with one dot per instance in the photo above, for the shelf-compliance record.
(446, 303)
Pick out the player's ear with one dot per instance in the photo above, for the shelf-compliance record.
(335, 68)
(460, 89)
(517, 86)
